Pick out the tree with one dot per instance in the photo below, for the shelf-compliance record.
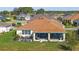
(15, 11)
(23, 10)
(70, 42)
(40, 11)
(5, 12)
(60, 19)
(19, 24)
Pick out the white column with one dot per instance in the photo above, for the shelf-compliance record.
(33, 36)
(48, 36)
(63, 36)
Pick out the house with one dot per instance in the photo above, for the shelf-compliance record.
(76, 23)
(22, 18)
(41, 29)
(50, 16)
(5, 27)
(72, 18)
(2, 18)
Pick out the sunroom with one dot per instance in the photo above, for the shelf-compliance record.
(48, 36)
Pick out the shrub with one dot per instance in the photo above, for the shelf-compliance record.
(3, 20)
(19, 24)
(65, 47)
(16, 37)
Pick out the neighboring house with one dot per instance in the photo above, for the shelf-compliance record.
(5, 27)
(72, 18)
(2, 18)
(41, 29)
(23, 18)
(50, 16)
(76, 22)
(8, 18)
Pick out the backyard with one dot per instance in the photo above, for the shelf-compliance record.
(8, 43)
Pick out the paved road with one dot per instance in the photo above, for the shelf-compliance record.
(72, 28)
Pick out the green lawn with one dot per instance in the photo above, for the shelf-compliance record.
(29, 46)
(7, 37)
(7, 43)
(67, 25)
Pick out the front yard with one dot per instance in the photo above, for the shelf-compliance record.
(8, 43)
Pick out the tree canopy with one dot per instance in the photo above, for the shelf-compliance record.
(5, 12)
(23, 10)
(40, 11)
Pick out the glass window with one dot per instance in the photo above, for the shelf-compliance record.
(41, 35)
(26, 31)
(56, 35)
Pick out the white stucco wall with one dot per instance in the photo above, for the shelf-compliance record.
(5, 29)
(27, 17)
(71, 21)
(19, 32)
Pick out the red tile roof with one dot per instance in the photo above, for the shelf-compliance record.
(73, 17)
(43, 24)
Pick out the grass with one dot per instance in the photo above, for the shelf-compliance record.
(29, 46)
(7, 37)
(67, 25)
(8, 44)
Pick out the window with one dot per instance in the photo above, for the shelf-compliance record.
(41, 35)
(26, 31)
(56, 35)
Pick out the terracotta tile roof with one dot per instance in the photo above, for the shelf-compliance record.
(43, 24)
(45, 15)
(73, 17)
